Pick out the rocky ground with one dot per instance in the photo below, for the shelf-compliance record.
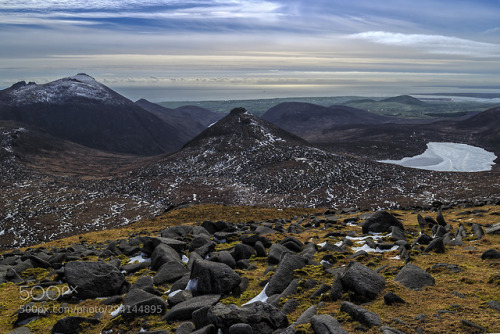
(208, 268)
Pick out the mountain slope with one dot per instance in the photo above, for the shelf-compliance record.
(188, 120)
(82, 110)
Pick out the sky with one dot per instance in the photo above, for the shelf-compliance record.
(173, 50)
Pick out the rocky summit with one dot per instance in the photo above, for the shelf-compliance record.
(223, 269)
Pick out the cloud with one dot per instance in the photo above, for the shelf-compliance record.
(435, 44)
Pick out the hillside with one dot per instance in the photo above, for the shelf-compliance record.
(86, 112)
(304, 118)
(405, 99)
(188, 120)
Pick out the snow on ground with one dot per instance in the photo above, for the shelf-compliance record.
(449, 157)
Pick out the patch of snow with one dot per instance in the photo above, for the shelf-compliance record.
(185, 259)
(173, 293)
(368, 249)
(219, 241)
(139, 258)
(117, 311)
(261, 297)
(449, 157)
(192, 284)
(322, 244)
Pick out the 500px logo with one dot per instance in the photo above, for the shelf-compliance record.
(38, 293)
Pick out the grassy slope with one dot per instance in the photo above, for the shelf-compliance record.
(443, 310)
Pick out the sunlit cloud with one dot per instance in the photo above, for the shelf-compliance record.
(432, 43)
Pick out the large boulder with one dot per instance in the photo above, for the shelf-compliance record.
(284, 273)
(213, 278)
(363, 281)
(262, 317)
(381, 221)
(413, 277)
(94, 279)
(162, 254)
(170, 272)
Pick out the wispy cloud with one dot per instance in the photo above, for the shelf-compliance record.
(436, 44)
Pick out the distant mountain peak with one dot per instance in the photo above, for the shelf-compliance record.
(78, 87)
(405, 99)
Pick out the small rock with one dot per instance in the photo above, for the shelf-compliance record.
(326, 324)
(392, 298)
(72, 325)
(490, 254)
(360, 314)
(436, 245)
(473, 325)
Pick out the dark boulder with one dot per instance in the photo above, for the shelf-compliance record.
(213, 278)
(162, 254)
(363, 281)
(184, 310)
(413, 277)
(381, 221)
(276, 253)
(139, 302)
(391, 298)
(436, 246)
(94, 279)
(490, 254)
(170, 272)
(284, 273)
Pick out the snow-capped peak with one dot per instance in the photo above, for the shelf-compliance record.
(80, 86)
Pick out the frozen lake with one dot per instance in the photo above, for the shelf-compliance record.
(449, 157)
